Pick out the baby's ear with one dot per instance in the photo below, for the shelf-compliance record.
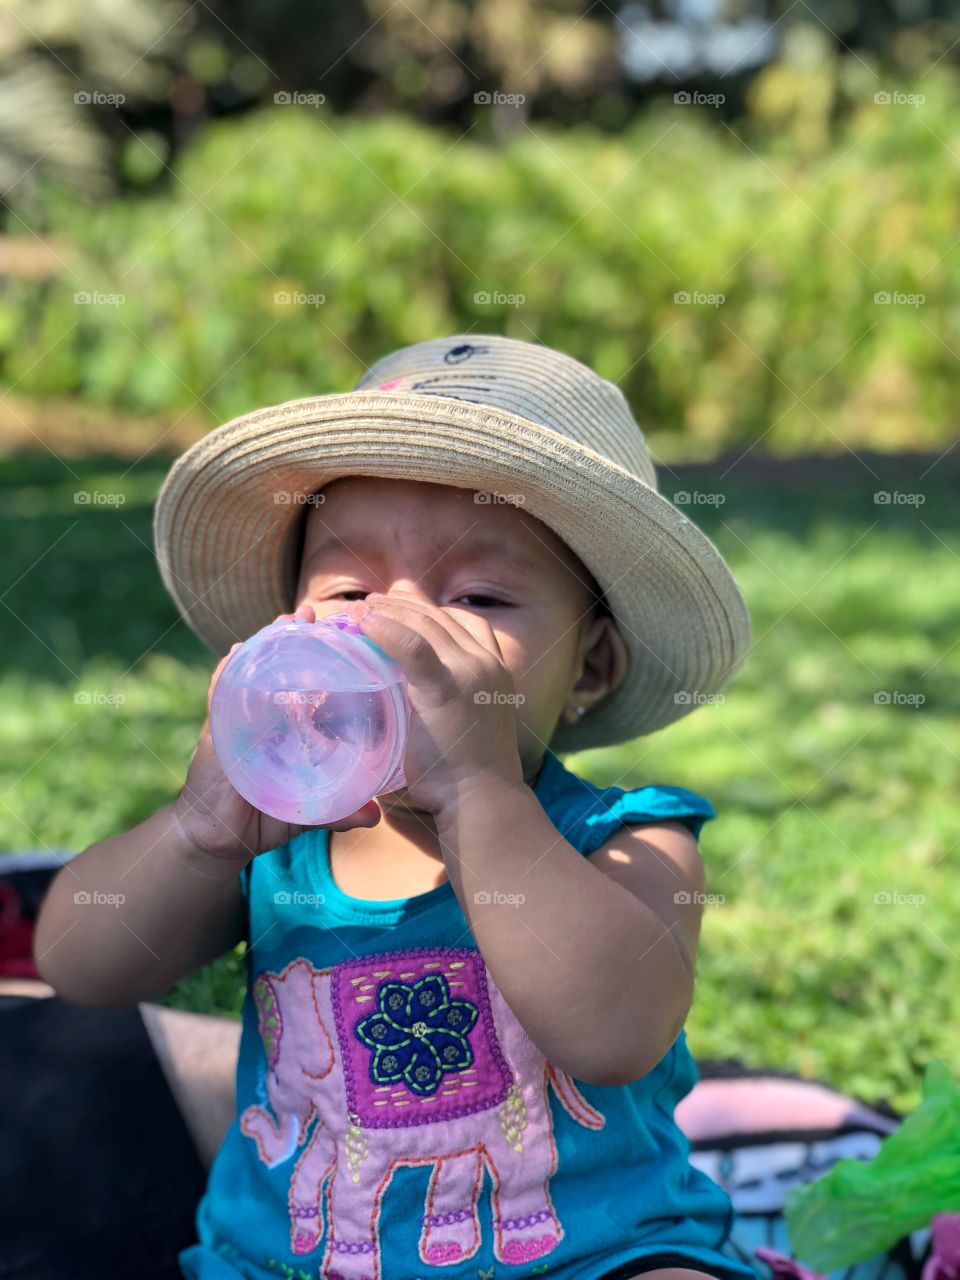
(606, 658)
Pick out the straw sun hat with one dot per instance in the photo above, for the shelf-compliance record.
(506, 418)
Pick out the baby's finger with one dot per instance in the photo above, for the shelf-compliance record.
(367, 816)
(423, 650)
(278, 832)
(303, 613)
(439, 622)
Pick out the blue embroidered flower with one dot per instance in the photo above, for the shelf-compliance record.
(418, 1033)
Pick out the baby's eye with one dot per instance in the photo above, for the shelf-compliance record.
(356, 591)
(487, 601)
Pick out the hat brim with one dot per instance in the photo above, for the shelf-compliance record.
(227, 546)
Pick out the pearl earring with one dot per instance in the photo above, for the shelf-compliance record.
(581, 711)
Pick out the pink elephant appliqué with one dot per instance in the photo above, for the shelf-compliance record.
(407, 1058)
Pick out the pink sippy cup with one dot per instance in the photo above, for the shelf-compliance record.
(310, 719)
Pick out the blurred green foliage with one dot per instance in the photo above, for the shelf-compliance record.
(205, 299)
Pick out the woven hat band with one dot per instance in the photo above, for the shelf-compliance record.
(542, 385)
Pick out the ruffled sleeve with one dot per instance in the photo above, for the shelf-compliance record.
(645, 804)
(587, 815)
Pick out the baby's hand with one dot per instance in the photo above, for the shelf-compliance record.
(463, 731)
(217, 820)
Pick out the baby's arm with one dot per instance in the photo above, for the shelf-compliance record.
(595, 955)
(132, 915)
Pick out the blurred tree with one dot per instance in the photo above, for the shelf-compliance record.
(449, 51)
(101, 90)
(66, 68)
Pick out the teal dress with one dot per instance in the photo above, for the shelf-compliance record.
(395, 1122)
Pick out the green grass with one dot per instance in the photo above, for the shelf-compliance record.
(824, 797)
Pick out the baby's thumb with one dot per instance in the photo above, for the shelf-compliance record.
(367, 816)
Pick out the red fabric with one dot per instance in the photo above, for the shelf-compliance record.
(16, 936)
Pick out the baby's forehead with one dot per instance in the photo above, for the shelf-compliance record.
(371, 510)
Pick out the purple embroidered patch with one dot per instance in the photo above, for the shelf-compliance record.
(416, 1035)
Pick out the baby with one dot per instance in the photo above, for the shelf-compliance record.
(463, 1031)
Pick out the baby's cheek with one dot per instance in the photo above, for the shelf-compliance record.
(534, 680)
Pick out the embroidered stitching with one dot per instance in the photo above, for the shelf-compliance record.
(467, 1091)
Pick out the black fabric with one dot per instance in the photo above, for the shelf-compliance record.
(99, 1174)
(657, 1260)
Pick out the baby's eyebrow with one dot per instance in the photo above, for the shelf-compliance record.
(461, 552)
